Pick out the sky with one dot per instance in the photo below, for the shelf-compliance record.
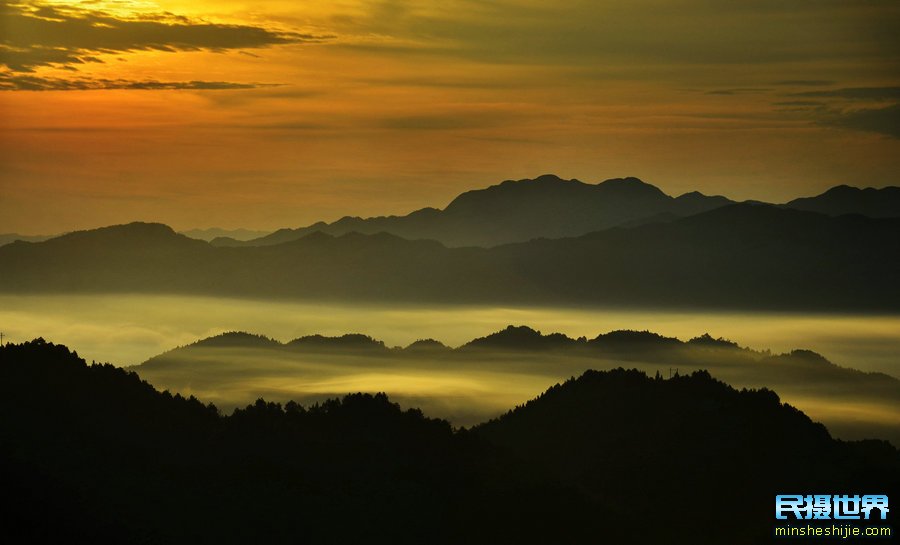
(278, 113)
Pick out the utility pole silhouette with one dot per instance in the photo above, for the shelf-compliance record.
(1, 338)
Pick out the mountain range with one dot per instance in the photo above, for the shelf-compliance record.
(92, 454)
(215, 232)
(551, 207)
(844, 199)
(517, 211)
(543, 207)
(235, 361)
(736, 256)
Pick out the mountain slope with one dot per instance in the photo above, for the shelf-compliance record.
(617, 431)
(143, 256)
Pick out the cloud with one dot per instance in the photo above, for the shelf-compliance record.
(448, 121)
(854, 93)
(654, 32)
(738, 91)
(38, 35)
(879, 120)
(854, 108)
(26, 82)
(807, 103)
(805, 82)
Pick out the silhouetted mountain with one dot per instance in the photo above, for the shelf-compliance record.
(427, 346)
(517, 211)
(213, 233)
(91, 454)
(7, 238)
(521, 338)
(738, 256)
(696, 202)
(707, 341)
(687, 436)
(351, 341)
(233, 362)
(844, 199)
(237, 339)
(120, 257)
(633, 342)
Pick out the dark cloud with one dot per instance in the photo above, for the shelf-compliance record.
(738, 91)
(879, 120)
(26, 82)
(448, 121)
(854, 93)
(810, 103)
(849, 108)
(653, 32)
(805, 82)
(67, 36)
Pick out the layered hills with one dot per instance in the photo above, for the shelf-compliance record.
(551, 207)
(234, 368)
(736, 256)
(517, 211)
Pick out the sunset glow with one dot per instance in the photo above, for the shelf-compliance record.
(273, 114)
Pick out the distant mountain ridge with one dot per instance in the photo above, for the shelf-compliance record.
(211, 233)
(8, 238)
(844, 199)
(737, 256)
(517, 211)
(551, 207)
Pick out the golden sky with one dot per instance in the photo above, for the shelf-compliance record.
(278, 113)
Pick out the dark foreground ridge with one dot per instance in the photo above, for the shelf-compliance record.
(91, 454)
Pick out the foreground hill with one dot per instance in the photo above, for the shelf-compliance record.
(604, 428)
(90, 454)
(738, 256)
(517, 211)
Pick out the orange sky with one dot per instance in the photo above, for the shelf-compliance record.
(275, 113)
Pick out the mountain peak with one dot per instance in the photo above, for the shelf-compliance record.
(349, 341)
(845, 199)
(521, 338)
(627, 180)
(138, 227)
(550, 178)
(632, 186)
(237, 339)
(138, 232)
(506, 187)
